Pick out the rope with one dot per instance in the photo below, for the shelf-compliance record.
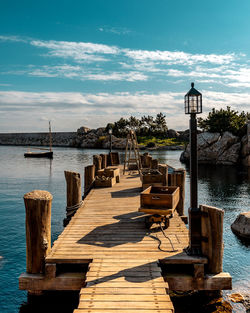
(159, 240)
(173, 250)
(71, 210)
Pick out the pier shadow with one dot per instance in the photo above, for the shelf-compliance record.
(130, 228)
(136, 274)
(126, 193)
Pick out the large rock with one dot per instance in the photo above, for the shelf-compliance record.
(82, 131)
(215, 149)
(171, 133)
(241, 226)
(245, 150)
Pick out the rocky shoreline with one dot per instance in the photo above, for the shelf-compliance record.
(216, 148)
(82, 138)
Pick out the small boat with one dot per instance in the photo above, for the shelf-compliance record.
(31, 154)
(41, 154)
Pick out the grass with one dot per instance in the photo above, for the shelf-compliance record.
(159, 142)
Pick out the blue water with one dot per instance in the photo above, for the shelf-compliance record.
(224, 187)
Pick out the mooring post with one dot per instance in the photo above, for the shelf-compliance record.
(163, 169)
(89, 178)
(74, 196)
(180, 177)
(148, 161)
(212, 237)
(97, 161)
(104, 160)
(154, 164)
(38, 229)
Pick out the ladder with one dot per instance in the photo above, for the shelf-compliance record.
(132, 154)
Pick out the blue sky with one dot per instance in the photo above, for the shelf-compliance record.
(90, 62)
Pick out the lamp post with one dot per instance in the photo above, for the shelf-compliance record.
(110, 140)
(193, 106)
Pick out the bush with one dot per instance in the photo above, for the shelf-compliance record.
(151, 144)
(225, 120)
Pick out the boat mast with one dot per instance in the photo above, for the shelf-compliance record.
(50, 138)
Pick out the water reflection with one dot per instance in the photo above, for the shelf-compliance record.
(221, 181)
(51, 302)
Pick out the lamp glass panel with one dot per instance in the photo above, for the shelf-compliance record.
(193, 104)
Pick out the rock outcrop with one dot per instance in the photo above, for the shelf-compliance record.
(215, 149)
(241, 226)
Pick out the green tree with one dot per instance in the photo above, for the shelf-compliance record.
(160, 124)
(225, 120)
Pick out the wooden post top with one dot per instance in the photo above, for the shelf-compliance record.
(38, 195)
(73, 173)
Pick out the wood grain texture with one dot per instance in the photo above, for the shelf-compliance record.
(38, 229)
(212, 232)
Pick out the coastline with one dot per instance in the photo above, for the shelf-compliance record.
(71, 140)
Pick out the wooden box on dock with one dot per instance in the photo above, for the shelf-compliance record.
(152, 178)
(160, 198)
(102, 182)
(113, 172)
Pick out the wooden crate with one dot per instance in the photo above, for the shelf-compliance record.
(109, 182)
(113, 172)
(152, 178)
(160, 197)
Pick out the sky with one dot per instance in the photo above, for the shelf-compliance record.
(90, 62)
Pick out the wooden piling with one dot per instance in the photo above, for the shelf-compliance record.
(178, 179)
(148, 161)
(38, 229)
(74, 196)
(89, 178)
(163, 169)
(104, 160)
(97, 161)
(114, 158)
(154, 164)
(212, 237)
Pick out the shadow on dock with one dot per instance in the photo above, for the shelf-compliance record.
(126, 193)
(106, 235)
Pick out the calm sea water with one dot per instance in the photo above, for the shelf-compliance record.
(224, 187)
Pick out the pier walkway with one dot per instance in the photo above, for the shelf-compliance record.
(118, 265)
(110, 234)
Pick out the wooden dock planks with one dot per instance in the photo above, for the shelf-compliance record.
(109, 232)
(124, 286)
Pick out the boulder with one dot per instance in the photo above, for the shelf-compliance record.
(215, 149)
(100, 132)
(241, 226)
(171, 133)
(245, 150)
(229, 156)
(82, 130)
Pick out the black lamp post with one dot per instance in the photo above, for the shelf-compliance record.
(110, 139)
(193, 106)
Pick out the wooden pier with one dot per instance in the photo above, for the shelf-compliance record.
(107, 254)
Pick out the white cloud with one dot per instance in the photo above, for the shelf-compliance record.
(101, 62)
(179, 57)
(115, 30)
(77, 51)
(13, 39)
(71, 109)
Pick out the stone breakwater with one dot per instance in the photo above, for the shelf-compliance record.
(83, 138)
(61, 139)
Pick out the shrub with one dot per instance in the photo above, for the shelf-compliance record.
(151, 144)
(224, 120)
